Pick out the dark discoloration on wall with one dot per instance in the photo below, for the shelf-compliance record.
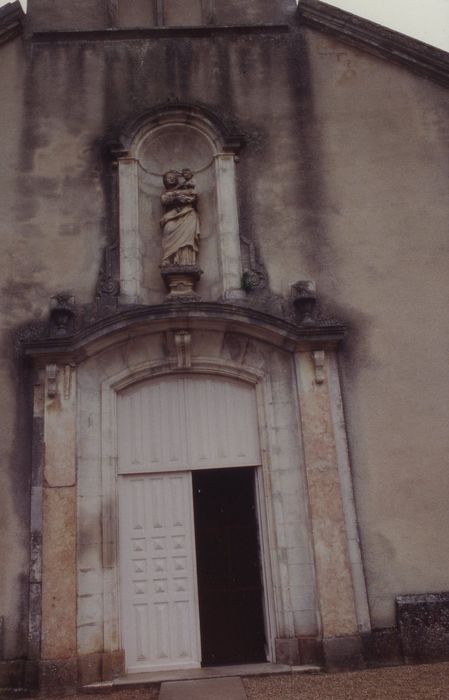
(17, 424)
(311, 177)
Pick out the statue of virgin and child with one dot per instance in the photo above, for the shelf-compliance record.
(180, 223)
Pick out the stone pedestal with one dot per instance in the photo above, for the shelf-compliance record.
(181, 281)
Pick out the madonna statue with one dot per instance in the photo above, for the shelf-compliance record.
(180, 224)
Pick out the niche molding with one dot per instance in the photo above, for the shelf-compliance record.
(175, 137)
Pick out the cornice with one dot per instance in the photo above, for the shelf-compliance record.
(113, 34)
(11, 21)
(421, 58)
(135, 321)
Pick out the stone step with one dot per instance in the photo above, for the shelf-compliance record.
(209, 689)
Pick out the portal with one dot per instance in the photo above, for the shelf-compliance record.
(190, 564)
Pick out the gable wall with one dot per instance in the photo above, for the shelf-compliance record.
(342, 180)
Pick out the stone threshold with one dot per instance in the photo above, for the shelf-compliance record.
(135, 680)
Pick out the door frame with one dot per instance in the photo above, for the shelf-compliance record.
(267, 581)
(110, 511)
(267, 584)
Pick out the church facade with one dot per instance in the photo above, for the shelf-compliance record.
(224, 332)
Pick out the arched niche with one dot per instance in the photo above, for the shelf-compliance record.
(178, 137)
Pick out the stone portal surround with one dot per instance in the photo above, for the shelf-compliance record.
(80, 625)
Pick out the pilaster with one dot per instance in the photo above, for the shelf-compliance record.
(59, 518)
(330, 541)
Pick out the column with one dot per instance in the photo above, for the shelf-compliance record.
(130, 247)
(228, 227)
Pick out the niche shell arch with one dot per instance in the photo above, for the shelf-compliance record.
(174, 138)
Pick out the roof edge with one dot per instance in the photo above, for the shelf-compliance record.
(11, 21)
(421, 58)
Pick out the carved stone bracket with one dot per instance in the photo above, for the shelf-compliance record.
(319, 359)
(181, 281)
(52, 381)
(183, 345)
(52, 372)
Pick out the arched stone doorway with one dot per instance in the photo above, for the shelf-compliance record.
(313, 583)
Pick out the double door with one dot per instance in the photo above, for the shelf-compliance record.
(190, 569)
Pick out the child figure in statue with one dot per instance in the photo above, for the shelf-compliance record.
(180, 223)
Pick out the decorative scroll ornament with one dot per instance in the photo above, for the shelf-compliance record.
(108, 285)
(254, 275)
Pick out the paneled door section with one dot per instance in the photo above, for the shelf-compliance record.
(187, 422)
(159, 599)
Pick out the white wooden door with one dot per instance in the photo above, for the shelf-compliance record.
(187, 422)
(159, 598)
(168, 427)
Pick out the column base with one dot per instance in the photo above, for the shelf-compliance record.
(95, 668)
(64, 676)
(343, 653)
(299, 651)
(58, 677)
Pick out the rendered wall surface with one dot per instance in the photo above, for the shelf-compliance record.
(343, 180)
(378, 249)
(16, 303)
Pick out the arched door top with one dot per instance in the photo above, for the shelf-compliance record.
(187, 422)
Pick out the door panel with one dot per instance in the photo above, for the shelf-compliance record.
(229, 570)
(159, 614)
(187, 422)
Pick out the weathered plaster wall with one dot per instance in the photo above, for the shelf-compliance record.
(16, 304)
(374, 236)
(343, 180)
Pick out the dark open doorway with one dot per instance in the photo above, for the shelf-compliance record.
(229, 567)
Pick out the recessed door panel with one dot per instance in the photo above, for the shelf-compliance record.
(159, 616)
